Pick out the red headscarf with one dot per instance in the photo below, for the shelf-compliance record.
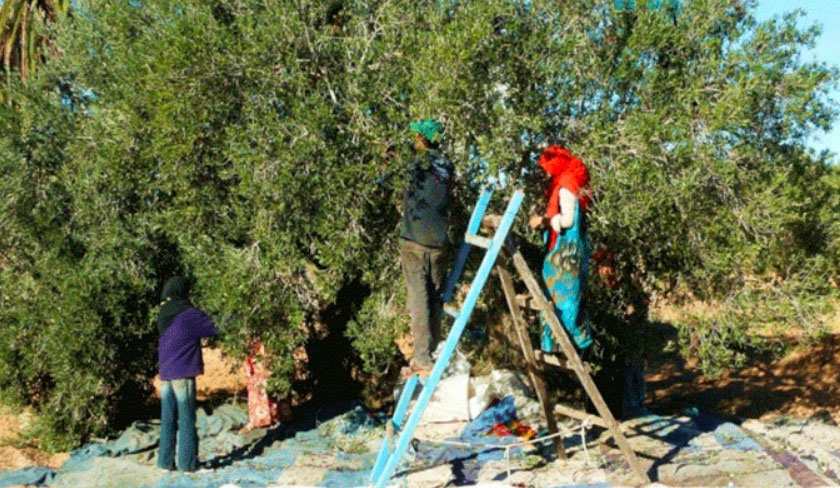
(566, 172)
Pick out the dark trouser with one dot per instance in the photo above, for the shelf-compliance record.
(177, 414)
(425, 273)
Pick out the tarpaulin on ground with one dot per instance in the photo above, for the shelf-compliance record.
(322, 448)
(329, 447)
(337, 446)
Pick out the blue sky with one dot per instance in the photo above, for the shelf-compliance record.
(826, 13)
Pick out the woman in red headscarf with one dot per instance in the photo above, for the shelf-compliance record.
(567, 260)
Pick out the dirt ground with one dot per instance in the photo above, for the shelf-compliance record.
(802, 384)
(11, 423)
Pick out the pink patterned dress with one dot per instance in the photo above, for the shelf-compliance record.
(262, 410)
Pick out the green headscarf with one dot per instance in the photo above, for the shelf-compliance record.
(174, 300)
(430, 129)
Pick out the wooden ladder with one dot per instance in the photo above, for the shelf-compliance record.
(535, 359)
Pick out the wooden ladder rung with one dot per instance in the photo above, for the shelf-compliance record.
(479, 241)
(582, 416)
(526, 301)
(555, 360)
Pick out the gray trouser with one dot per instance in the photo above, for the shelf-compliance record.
(425, 272)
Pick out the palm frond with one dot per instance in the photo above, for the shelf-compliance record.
(24, 41)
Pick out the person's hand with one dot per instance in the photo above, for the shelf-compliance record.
(536, 221)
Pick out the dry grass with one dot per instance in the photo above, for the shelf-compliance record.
(12, 456)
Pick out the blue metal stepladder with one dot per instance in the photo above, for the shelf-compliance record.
(390, 454)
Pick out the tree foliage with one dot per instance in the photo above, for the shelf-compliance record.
(260, 145)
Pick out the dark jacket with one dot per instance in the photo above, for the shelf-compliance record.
(426, 200)
(179, 348)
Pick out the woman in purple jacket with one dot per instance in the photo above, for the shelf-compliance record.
(181, 328)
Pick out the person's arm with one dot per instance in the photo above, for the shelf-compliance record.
(538, 221)
(566, 217)
(203, 325)
(562, 220)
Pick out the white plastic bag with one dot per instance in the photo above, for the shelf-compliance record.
(499, 384)
(449, 402)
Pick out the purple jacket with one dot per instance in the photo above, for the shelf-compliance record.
(179, 348)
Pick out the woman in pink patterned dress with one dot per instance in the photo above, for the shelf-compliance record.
(262, 410)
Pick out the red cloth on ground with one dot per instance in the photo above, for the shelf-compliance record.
(514, 427)
(500, 430)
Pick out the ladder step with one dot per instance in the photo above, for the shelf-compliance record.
(451, 310)
(526, 301)
(479, 241)
(580, 415)
(554, 360)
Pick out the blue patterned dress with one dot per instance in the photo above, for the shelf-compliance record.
(564, 272)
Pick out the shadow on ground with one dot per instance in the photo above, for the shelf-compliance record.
(802, 383)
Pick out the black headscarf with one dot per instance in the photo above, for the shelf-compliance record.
(174, 300)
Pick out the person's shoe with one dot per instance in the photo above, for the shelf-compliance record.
(413, 369)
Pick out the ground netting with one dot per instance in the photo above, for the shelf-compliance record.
(337, 446)
(334, 446)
